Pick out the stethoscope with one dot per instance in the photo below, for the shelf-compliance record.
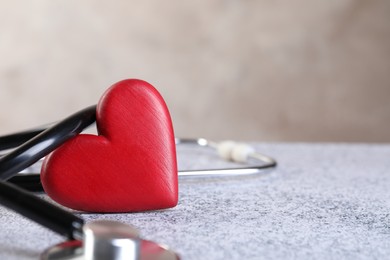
(100, 239)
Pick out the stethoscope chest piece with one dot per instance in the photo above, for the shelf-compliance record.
(109, 240)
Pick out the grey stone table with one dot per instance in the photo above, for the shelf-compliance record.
(323, 201)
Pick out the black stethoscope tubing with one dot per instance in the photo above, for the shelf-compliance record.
(44, 142)
(42, 212)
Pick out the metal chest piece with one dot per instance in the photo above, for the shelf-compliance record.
(109, 240)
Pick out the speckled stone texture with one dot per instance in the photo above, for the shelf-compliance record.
(323, 201)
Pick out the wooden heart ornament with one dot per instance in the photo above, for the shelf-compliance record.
(129, 166)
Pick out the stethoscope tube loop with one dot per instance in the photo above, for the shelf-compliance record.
(45, 142)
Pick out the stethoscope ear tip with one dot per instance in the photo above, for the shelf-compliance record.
(106, 239)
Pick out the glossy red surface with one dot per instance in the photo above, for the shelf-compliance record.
(130, 166)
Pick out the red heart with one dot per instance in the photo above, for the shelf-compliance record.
(130, 166)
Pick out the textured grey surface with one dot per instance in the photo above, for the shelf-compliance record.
(323, 201)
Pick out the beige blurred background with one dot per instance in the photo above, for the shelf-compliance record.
(298, 70)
